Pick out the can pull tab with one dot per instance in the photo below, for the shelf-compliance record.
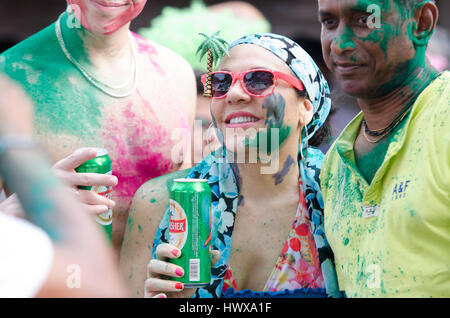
(370, 211)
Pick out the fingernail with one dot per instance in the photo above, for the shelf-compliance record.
(175, 252)
(162, 296)
(179, 286)
(104, 208)
(179, 272)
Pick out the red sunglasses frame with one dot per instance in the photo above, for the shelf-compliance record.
(295, 82)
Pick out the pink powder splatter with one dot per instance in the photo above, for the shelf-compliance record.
(145, 48)
(80, 11)
(136, 147)
(128, 15)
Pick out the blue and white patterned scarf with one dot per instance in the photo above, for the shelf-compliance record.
(224, 184)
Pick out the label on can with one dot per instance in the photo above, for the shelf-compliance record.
(190, 230)
(178, 225)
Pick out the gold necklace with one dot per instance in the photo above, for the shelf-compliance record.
(388, 131)
(372, 141)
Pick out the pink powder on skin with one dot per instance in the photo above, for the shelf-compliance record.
(128, 15)
(145, 48)
(136, 146)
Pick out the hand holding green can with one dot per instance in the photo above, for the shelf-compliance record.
(100, 164)
(190, 230)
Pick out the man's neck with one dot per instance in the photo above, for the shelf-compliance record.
(95, 51)
(379, 112)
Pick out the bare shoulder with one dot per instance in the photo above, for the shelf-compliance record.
(172, 61)
(172, 71)
(149, 205)
(153, 196)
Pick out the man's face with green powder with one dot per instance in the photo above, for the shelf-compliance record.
(367, 44)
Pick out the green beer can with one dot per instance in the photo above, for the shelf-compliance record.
(100, 164)
(190, 230)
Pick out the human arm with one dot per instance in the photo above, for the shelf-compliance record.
(92, 202)
(52, 207)
(159, 269)
(64, 169)
(149, 205)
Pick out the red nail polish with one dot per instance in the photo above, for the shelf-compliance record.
(179, 286)
(175, 252)
(179, 272)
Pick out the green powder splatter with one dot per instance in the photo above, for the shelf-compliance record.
(264, 137)
(65, 102)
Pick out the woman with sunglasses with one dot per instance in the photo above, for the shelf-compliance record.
(268, 95)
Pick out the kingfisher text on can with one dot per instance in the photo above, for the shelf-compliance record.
(190, 230)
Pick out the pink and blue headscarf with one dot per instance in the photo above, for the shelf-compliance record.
(224, 180)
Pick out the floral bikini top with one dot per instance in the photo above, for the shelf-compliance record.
(298, 265)
(305, 262)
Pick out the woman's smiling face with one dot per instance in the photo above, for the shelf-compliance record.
(239, 116)
(106, 16)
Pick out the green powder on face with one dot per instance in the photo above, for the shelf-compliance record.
(389, 32)
(263, 139)
(346, 39)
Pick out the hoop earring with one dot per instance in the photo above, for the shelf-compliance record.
(301, 146)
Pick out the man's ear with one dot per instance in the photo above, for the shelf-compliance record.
(426, 16)
(306, 112)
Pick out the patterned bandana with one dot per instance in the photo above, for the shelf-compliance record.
(302, 64)
(224, 182)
